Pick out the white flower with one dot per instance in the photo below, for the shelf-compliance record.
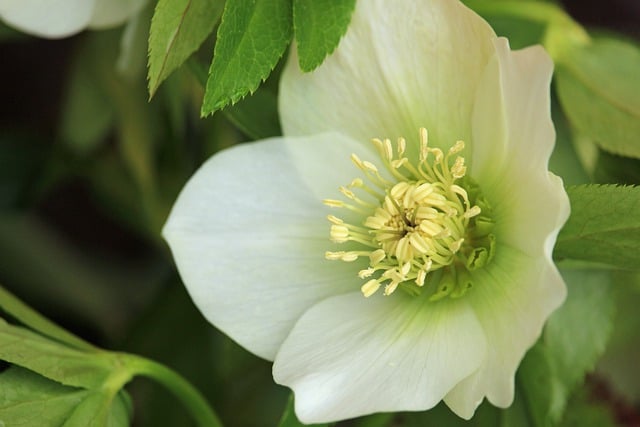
(451, 246)
(61, 18)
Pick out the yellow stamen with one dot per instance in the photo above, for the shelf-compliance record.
(422, 224)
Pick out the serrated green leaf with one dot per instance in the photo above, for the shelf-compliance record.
(319, 25)
(55, 361)
(252, 37)
(604, 226)
(178, 28)
(28, 399)
(599, 90)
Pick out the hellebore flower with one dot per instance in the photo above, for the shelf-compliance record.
(433, 274)
(62, 18)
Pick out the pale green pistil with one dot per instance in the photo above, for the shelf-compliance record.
(421, 228)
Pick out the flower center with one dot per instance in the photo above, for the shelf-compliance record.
(425, 224)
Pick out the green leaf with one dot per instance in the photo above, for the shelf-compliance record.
(252, 37)
(564, 160)
(573, 340)
(289, 418)
(27, 399)
(604, 226)
(584, 412)
(100, 408)
(319, 25)
(576, 334)
(56, 361)
(537, 386)
(26, 315)
(598, 88)
(178, 28)
(618, 367)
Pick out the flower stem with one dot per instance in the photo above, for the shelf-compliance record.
(192, 399)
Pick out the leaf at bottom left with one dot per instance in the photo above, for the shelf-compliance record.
(28, 399)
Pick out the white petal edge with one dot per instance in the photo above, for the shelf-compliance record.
(397, 69)
(512, 298)
(349, 356)
(47, 18)
(513, 138)
(249, 232)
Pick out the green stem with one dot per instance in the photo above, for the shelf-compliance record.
(181, 388)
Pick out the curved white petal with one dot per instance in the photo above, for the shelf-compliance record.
(513, 137)
(512, 298)
(47, 18)
(350, 356)
(398, 68)
(110, 13)
(514, 295)
(249, 236)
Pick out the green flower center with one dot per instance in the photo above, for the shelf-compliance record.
(428, 227)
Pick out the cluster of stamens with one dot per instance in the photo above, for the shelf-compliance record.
(419, 224)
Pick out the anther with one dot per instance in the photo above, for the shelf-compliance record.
(457, 147)
(333, 203)
(349, 256)
(402, 146)
(363, 274)
(424, 142)
(458, 170)
(339, 233)
(455, 246)
(474, 211)
(335, 220)
(388, 149)
(377, 256)
(370, 287)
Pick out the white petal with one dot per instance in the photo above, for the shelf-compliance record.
(513, 297)
(110, 13)
(350, 356)
(416, 64)
(513, 137)
(249, 237)
(47, 18)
